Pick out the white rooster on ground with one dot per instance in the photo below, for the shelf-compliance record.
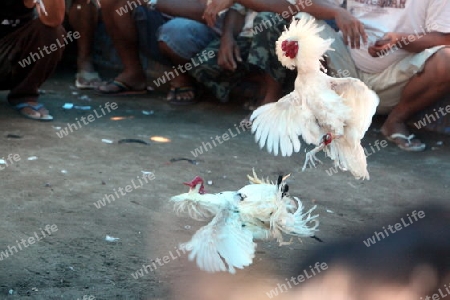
(332, 113)
(260, 210)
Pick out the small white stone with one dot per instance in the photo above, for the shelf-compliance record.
(111, 239)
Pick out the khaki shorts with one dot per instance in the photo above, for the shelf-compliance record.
(388, 84)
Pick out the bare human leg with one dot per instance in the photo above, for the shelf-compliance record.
(123, 32)
(182, 80)
(422, 90)
(83, 17)
(273, 90)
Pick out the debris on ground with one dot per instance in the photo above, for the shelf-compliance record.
(191, 161)
(67, 106)
(111, 239)
(147, 112)
(131, 141)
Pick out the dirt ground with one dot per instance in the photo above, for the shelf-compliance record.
(72, 173)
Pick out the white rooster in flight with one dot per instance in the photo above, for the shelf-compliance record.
(260, 210)
(332, 113)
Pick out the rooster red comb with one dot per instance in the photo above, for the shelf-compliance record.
(194, 182)
(290, 48)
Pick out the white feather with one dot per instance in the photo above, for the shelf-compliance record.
(319, 104)
(201, 207)
(260, 210)
(221, 243)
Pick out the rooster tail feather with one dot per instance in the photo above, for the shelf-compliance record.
(298, 223)
(348, 156)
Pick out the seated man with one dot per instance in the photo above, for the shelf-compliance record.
(238, 51)
(404, 56)
(247, 44)
(171, 41)
(83, 17)
(29, 51)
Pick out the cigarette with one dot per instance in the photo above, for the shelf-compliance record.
(42, 6)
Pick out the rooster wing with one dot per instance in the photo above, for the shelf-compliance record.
(279, 125)
(362, 101)
(223, 242)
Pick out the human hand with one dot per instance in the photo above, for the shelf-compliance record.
(213, 7)
(352, 29)
(229, 54)
(384, 44)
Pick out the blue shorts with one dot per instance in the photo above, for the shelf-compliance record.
(184, 36)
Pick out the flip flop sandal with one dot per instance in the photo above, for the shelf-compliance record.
(123, 90)
(174, 92)
(89, 78)
(36, 108)
(408, 146)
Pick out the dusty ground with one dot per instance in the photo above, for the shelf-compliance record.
(73, 172)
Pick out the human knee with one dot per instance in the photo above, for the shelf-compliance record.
(164, 48)
(442, 57)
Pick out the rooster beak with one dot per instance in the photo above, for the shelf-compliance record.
(286, 177)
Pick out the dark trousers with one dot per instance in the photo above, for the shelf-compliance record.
(24, 65)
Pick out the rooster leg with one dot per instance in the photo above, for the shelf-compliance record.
(311, 158)
(286, 243)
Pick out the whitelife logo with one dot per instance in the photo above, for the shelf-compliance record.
(378, 236)
(90, 118)
(169, 75)
(161, 262)
(206, 146)
(33, 57)
(108, 198)
(313, 271)
(49, 229)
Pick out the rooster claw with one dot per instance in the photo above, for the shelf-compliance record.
(311, 160)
